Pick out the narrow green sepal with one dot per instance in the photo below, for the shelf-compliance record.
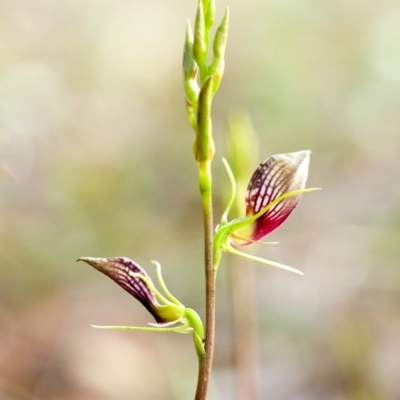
(224, 218)
(161, 282)
(219, 46)
(189, 64)
(190, 69)
(230, 249)
(185, 328)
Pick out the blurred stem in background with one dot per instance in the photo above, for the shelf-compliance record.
(4, 173)
(352, 346)
(242, 151)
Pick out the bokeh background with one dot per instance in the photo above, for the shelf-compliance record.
(96, 155)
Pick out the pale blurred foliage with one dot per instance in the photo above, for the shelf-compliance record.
(95, 138)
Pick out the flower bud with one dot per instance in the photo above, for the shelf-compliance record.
(190, 70)
(209, 14)
(219, 45)
(200, 44)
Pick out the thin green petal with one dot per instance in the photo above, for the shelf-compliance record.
(230, 249)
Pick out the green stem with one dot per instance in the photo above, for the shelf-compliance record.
(205, 362)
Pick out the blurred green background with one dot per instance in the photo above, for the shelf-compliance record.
(97, 145)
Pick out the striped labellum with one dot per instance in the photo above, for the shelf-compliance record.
(279, 174)
(134, 279)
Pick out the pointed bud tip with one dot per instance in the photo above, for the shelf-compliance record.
(299, 162)
(226, 15)
(88, 259)
(101, 264)
(189, 31)
(299, 156)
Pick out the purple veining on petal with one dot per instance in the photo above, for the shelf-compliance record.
(279, 174)
(118, 269)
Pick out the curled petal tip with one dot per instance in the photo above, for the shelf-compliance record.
(101, 264)
(85, 259)
(90, 259)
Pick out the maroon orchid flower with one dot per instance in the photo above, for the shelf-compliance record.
(170, 314)
(274, 191)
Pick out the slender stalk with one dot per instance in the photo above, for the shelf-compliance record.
(199, 91)
(205, 362)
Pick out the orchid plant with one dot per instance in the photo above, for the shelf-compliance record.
(274, 190)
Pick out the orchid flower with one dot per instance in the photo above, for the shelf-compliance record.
(169, 313)
(274, 191)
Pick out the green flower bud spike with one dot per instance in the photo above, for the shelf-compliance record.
(169, 313)
(199, 91)
(200, 43)
(273, 192)
(190, 70)
(217, 66)
(4, 172)
(209, 14)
